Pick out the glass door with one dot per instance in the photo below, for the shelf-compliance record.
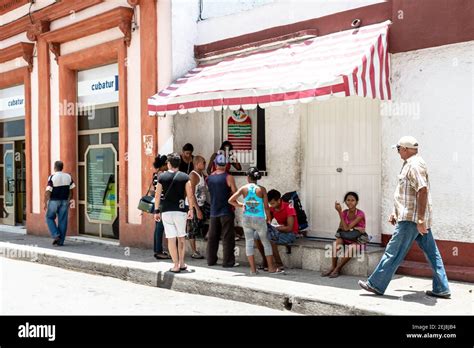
(7, 190)
(98, 166)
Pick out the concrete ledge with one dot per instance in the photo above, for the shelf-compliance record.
(310, 255)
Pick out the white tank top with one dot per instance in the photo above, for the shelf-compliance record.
(200, 192)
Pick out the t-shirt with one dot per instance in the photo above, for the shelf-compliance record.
(361, 223)
(186, 168)
(59, 184)
(174, 199)
(281, 215)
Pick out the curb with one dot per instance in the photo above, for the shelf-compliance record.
(123, 270)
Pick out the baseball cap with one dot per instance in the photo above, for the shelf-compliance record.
(408, 142)
(220, 160)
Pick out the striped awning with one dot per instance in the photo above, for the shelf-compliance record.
(347, 63)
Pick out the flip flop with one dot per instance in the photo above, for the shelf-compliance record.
(173, 271)
(183, 268)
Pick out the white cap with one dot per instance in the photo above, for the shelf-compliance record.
(408, 142)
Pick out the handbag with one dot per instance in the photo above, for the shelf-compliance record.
(353, 235)
(147, 202)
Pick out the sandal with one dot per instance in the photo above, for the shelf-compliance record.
(197, 255)
(174, 271)
(278, 271)
(327, 273)
(262, 268)
(183, 268)
(161, 256)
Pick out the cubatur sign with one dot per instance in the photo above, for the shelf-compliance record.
(11, 103)
(98, 86)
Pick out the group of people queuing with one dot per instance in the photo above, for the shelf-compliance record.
(187, 193)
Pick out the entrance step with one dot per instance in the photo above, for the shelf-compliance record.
(422, 269)
(310, 255)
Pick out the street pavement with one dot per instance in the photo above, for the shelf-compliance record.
(34, 289)
(299, 291)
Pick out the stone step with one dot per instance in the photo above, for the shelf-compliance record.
(311, 255)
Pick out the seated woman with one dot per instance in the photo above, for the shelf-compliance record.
(350, 219)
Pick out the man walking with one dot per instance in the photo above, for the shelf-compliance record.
(412, 217)
(56, 202)
(221, 186)
(171, 209)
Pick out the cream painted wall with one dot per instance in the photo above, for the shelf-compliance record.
(134, 127)
(432, 92)
(13, 40)
(37, 183)
(277, 13)
(54, 97)
(21, 11)
(165, 61)
(12, 64)
(91, 40)
(87, 13)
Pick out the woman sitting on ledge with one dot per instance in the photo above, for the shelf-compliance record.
(351, 219)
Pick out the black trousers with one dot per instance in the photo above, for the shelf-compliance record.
(221, 226)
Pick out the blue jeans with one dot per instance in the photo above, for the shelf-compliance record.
(403, 237)
(61, 209)
(158, 237)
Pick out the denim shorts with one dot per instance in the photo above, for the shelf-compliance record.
(281, 238)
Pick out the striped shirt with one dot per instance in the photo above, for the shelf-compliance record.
(412, 178)
(59, 184)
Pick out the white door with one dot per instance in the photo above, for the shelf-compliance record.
(342, 153)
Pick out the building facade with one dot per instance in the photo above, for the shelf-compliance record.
(75, 78)
(324, 149)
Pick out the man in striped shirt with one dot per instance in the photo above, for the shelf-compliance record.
(412, 219)
(56, 202)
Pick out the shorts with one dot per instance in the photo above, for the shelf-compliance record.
(174, 223)
(278, 237)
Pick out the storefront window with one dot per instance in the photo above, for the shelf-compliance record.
(12, 129)
(99, 118)
(101, 185)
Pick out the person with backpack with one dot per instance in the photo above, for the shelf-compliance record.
(256, 214)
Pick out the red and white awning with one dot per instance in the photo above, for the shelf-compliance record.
(347, 63)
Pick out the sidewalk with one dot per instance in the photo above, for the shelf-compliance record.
(300, 291)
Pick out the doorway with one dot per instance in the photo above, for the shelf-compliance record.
(13, 182)
(98, 166)
(342, 153)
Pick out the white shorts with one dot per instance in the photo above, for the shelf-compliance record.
(174, 223)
